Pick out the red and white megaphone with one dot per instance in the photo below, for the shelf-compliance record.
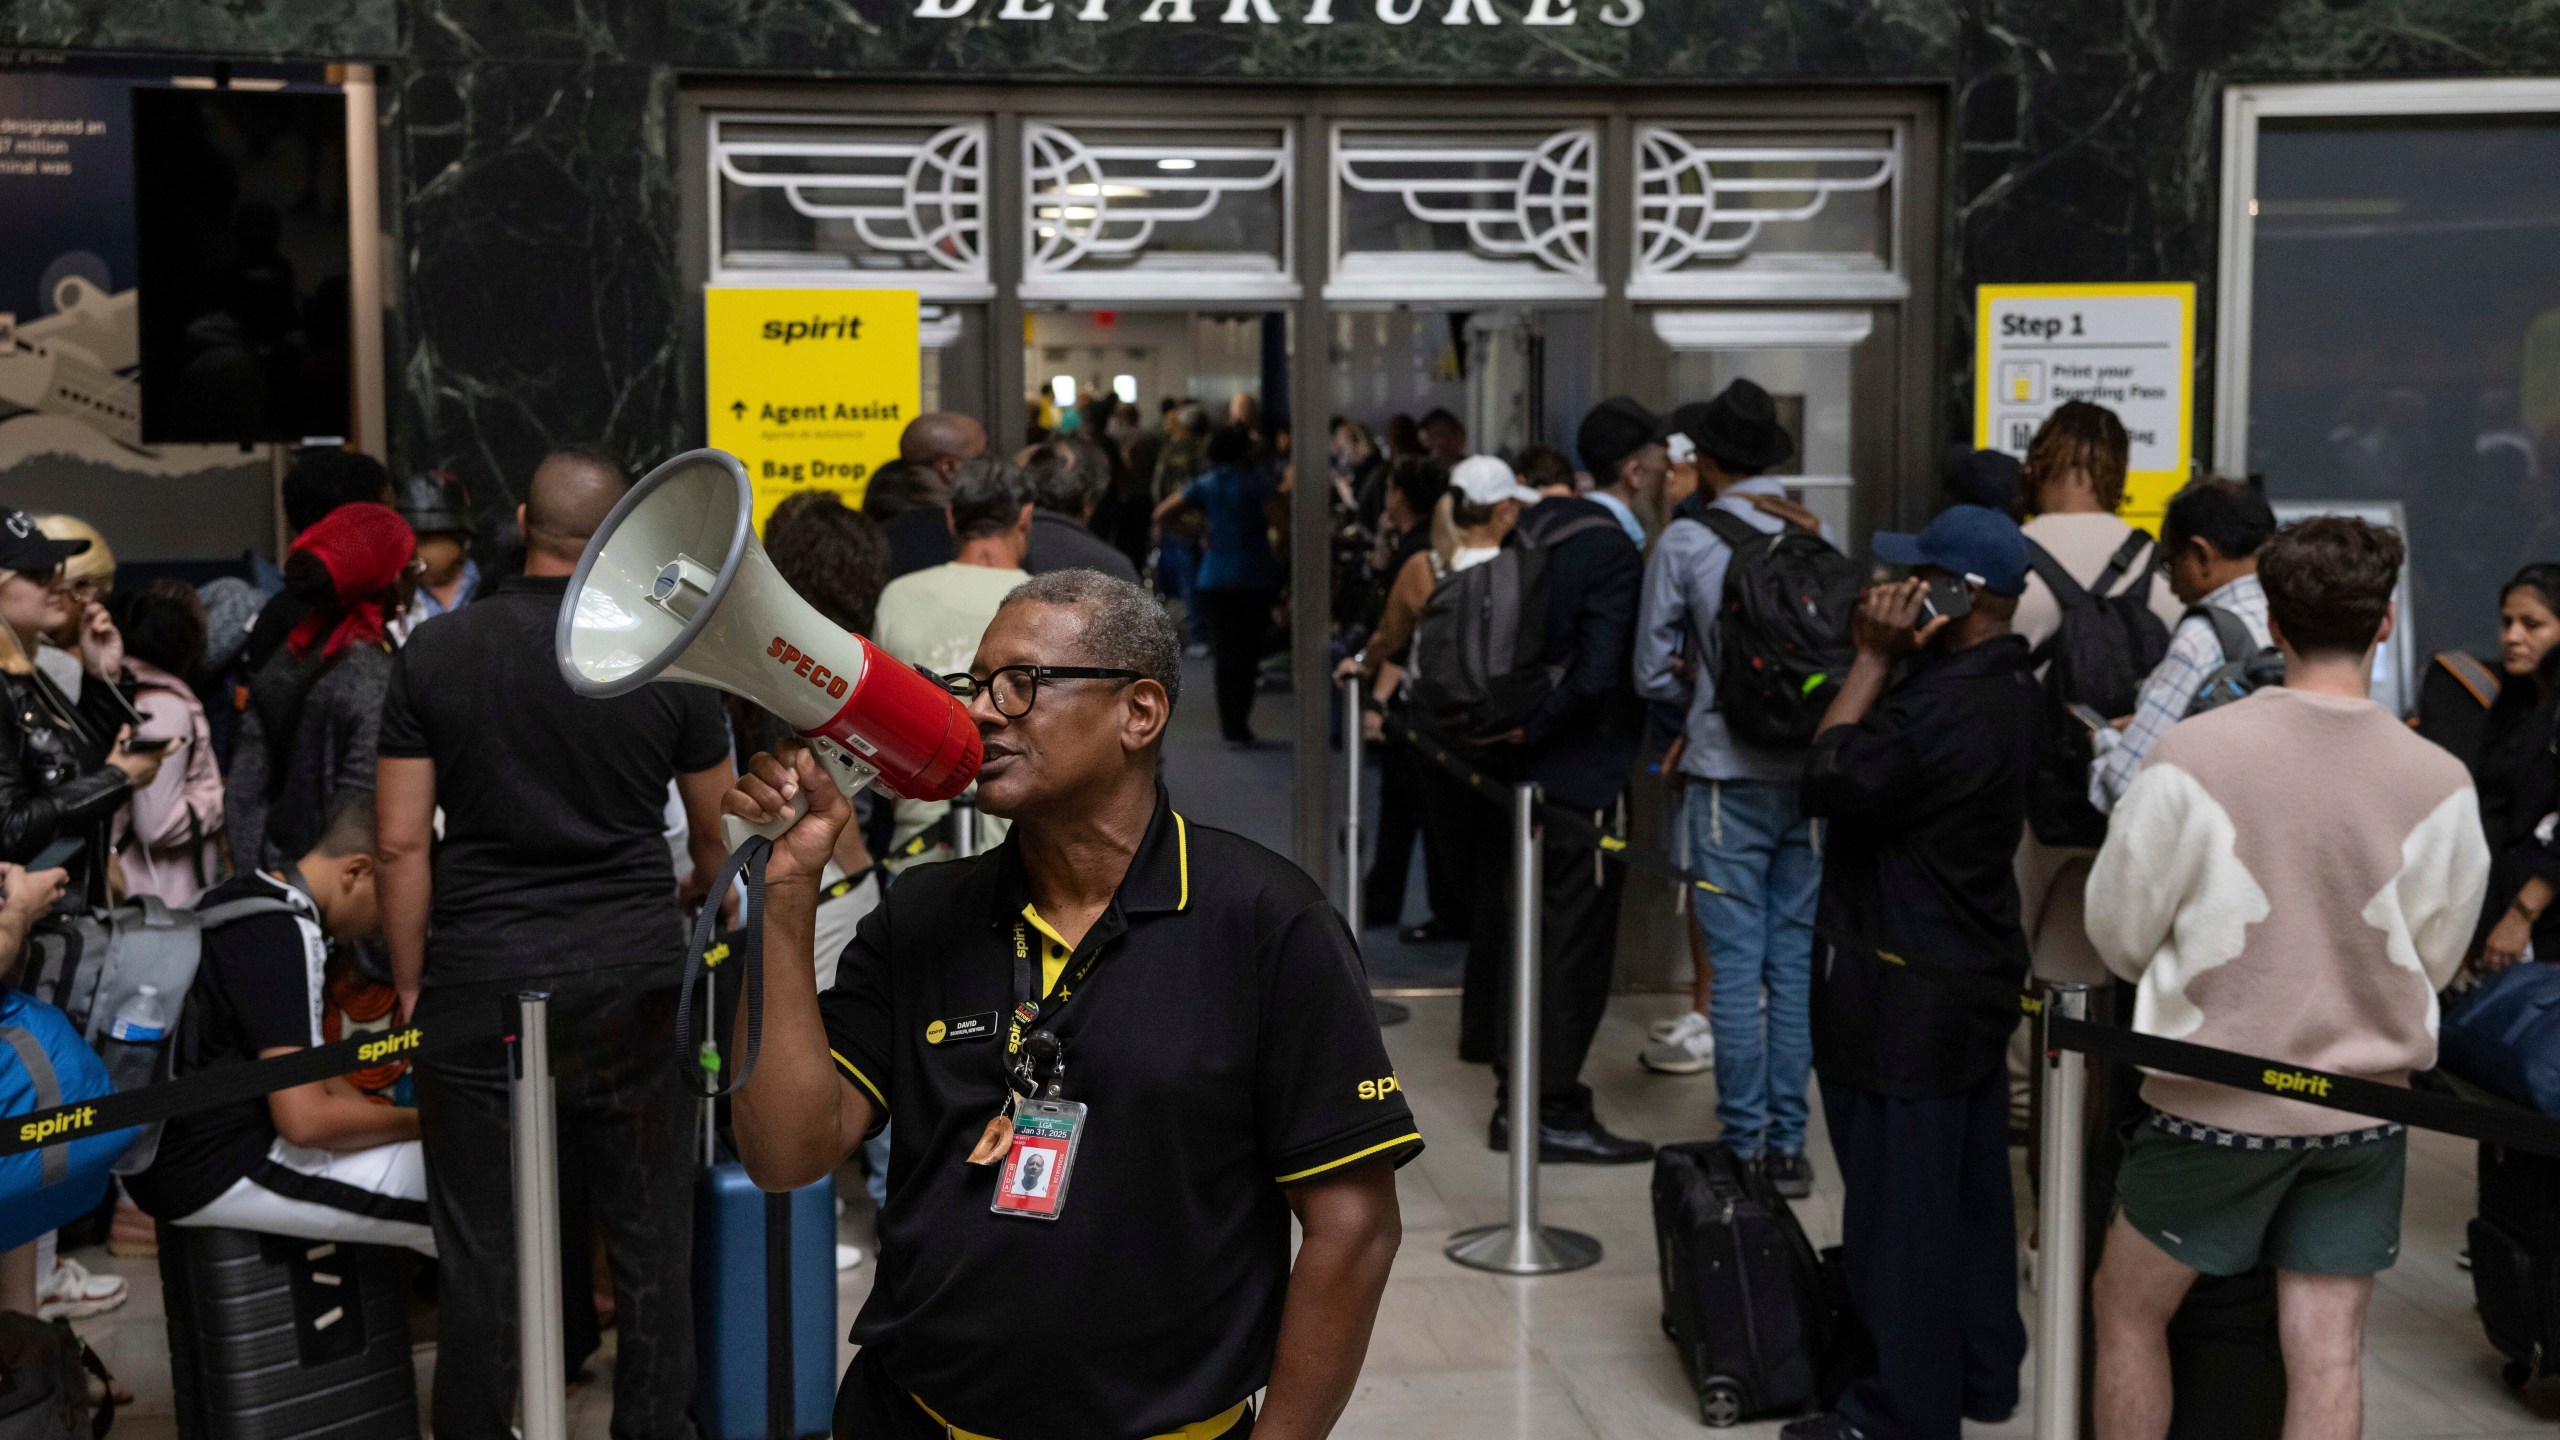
(675, 587)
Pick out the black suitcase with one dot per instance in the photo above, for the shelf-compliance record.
(2515, 1242)
(1742, 1291)
(272, 1337)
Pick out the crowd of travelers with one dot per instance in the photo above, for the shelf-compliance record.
(2051, 745)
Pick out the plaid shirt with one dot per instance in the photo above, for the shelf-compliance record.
(2194, 653)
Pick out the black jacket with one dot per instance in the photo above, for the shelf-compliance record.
(55, 782)
(1921, 806)
(1580, 742)
(2517, 776)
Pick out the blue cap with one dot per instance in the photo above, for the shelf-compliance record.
(1974, 541)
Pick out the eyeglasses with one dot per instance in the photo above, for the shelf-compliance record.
(1014, 687)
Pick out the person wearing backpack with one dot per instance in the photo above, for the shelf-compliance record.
(1578, 744)
(1519, 659)
(1720, 634)
(2211, 536)
(2096, 617)
(315, 704)
(320, 1161)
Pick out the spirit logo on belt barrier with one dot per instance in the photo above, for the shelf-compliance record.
(231, 1084)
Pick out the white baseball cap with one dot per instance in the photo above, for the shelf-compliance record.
(1485, 480)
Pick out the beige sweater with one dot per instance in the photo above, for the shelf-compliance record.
(2292, 876)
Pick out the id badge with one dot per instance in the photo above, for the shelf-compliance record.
(1033, 1183)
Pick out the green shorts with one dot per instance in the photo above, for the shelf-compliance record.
(2220, 1202)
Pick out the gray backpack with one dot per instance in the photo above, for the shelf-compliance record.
(2247, 666)
(91, 965)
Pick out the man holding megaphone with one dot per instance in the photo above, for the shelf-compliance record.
(1122, 1051)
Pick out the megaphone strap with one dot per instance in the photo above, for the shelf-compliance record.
(746, 863)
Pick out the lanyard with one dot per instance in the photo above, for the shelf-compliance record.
(1024, 1053)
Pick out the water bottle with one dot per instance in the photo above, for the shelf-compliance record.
(135, 1038)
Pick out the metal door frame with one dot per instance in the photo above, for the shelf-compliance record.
(1896, 374)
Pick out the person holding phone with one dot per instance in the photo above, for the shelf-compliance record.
(1919, 779)
(65, 769)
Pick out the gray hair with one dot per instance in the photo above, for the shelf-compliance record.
(1068, 476)
(1124, 627)
(987, 496)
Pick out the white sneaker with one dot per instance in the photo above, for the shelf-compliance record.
(847, 1257)
(1686, 1047)
(75, 1294)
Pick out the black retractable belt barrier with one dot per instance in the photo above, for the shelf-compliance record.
(2515, 1128)
(231, 1084)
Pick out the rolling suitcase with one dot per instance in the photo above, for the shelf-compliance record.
(730, 1273)
(1742, 1292)
(2515, 1260)
(272, 1337)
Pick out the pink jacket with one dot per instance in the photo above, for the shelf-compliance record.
(168, 839)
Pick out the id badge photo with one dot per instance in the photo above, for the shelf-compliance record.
(1033, 1182)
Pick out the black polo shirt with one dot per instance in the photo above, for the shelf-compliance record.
(1921, 805)
(1224, 1041)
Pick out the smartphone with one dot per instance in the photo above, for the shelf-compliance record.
(57, 855)
(1948, 596)
(2087, 716)
(148, 744)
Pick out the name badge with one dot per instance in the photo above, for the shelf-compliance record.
(1033, 1182)
(967, 1027)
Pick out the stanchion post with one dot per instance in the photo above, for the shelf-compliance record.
(2061, 1232)
(1351, 743)
(964, 825)
(535, 1117)
(1520, 1245)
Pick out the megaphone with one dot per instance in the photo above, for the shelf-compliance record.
(673, 586)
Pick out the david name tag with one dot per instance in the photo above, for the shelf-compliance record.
(1033, 1182)
(967, 1027)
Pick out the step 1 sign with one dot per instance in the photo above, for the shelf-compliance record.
(2130, 348)
(809, 388)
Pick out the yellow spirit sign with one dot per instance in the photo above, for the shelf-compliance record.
(809, 387)
(2130, 348)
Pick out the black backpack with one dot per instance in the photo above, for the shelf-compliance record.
(1480, 646)
(2096, 657)
(2246, 667)
(1782, 629)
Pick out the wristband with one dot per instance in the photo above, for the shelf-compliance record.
(2517, 905)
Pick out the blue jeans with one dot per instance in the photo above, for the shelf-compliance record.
(1750, 838)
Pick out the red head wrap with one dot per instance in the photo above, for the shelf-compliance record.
(366, 548)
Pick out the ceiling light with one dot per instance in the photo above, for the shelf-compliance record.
(1176, 162)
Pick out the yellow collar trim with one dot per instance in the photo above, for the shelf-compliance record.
(1031, 913)
(1182, 848)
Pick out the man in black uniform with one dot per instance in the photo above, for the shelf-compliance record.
(1921, 774)
(551, 873)
(1157, 1038)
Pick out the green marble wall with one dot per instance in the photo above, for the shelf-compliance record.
(530, 144)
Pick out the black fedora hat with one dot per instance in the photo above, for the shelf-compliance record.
(1738, 429)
